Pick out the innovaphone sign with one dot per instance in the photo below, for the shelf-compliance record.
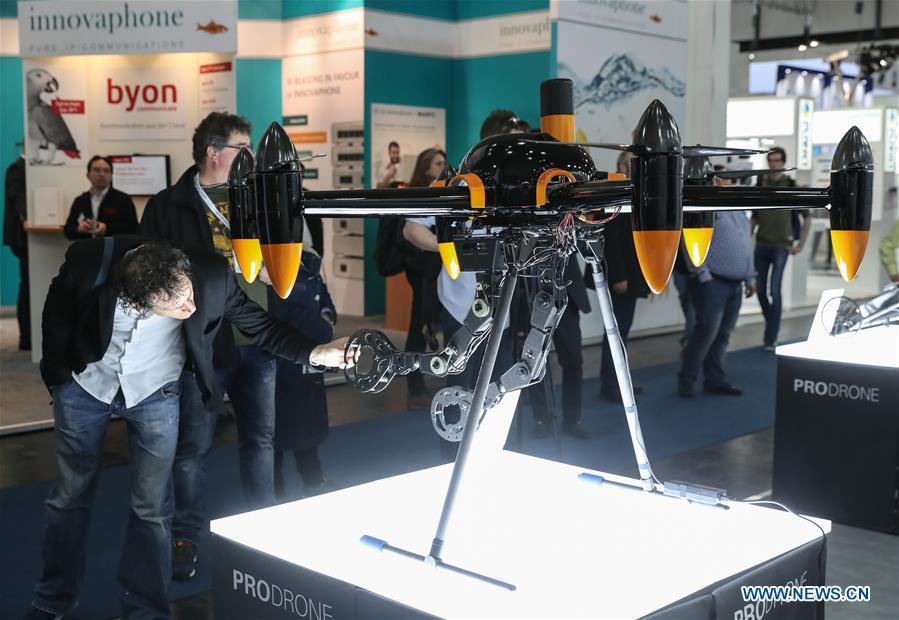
(73, 27)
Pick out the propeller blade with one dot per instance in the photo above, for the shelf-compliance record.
(699, 150)
(630, 148)
(742, 174)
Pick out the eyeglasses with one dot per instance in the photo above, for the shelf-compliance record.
(242, 145)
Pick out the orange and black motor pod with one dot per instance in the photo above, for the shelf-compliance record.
(447, 229)
(657, 178)
(242, 216)
(698, 225)
(851, 197)
(279, 196)
(557, 109)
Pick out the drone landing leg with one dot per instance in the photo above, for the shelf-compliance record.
(477, 408)
(625, 386)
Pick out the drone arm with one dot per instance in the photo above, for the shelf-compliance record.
(405, 202)
(744, 197)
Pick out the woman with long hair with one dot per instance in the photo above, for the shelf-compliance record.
(422, 269)
(428, 166)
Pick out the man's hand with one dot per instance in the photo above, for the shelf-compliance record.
(86, 226)
(894, 277)
(101, 229)
(332, 355)
(750, 289)
(620, 288)
(796, 249)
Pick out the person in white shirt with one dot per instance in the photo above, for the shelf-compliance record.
(102, 210)
(392, 172)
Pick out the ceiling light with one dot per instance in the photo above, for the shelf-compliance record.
(813, 43)
(751, 56)
(803, 47)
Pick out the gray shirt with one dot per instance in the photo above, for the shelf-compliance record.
(146, 351)
(730, 253)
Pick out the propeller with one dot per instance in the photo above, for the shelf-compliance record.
(698, 150)
(687, 151)
(744, 174)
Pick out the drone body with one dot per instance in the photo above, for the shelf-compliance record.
(544, 183)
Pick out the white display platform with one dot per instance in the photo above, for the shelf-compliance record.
(573, 549)
(878, 346)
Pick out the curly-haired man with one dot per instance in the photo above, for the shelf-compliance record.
(122, 320)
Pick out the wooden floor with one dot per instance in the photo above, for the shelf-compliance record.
(742, 465)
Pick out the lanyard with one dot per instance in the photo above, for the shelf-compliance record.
(210, 205)
(218, 214)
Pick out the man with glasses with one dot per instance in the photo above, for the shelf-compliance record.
(775, 233)
(194, 212)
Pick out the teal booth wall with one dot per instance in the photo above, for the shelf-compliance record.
(12, 130)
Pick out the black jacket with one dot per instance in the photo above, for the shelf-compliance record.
(78, 318)
(14, 216)
(577, 289)
(116, 211)
(178, 214)
(621, 257)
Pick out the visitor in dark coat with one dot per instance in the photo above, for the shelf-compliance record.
(301, 409)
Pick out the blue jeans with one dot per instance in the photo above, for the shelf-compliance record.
(773, 257)
(717, 304)
(681, 282)
(251, 387)
(145, 566)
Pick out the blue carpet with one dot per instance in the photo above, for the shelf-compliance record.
(374, 449)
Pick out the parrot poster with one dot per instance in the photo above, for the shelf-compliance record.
(51, 133)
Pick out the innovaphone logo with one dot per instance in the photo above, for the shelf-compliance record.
(109, 21)
(625, 6)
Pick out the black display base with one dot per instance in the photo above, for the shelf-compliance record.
(836, 441)
(249, 584)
